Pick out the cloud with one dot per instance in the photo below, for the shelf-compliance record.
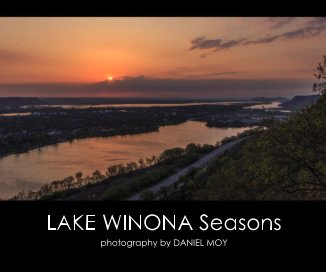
(9, 55)
(305, 32)
(262, 40)
(203, 43)
(217, 44)
(312, 28)
(278, 22)
(217, 74)
(318, 21)
(154, 87)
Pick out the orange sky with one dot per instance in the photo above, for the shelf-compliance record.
(67, 49)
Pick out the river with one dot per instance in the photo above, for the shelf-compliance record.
(30, 170)
(272, 105)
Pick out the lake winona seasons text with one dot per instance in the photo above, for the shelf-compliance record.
(152, 222)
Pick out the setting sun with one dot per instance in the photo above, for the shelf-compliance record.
(110, 78)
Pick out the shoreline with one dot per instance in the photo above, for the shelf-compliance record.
(26, 150)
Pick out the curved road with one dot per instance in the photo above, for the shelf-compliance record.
(200, 163)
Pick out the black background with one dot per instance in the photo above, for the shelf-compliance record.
(163, 8)
(24, 224)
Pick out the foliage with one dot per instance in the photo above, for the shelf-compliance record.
(147, 195)
(320, 87)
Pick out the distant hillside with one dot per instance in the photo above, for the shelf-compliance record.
(19, 101)
(270, 99)
(300, 101)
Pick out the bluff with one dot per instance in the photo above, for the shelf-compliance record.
(300, 101)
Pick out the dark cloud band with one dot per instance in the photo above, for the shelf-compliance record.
(312, 28)
(154, 87)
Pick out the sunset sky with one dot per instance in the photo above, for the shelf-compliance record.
(159, 57)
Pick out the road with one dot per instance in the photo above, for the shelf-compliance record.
(200, 163)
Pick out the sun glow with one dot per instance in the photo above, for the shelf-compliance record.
(110, 78)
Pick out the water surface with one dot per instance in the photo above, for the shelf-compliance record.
(272, 105)
(15, 114)
(30, 170)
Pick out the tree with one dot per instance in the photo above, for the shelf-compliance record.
(192, 148)
(170, 155)
(45, 190)
(154, 159)
(130, 166)
(321, 75)
(97, 176)
(121, 169)
(148, 161)
(79, 179)
(55, 184)
(141, 163)
(61, 184)
(112, 171)
(32, 195)
(69, 182)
